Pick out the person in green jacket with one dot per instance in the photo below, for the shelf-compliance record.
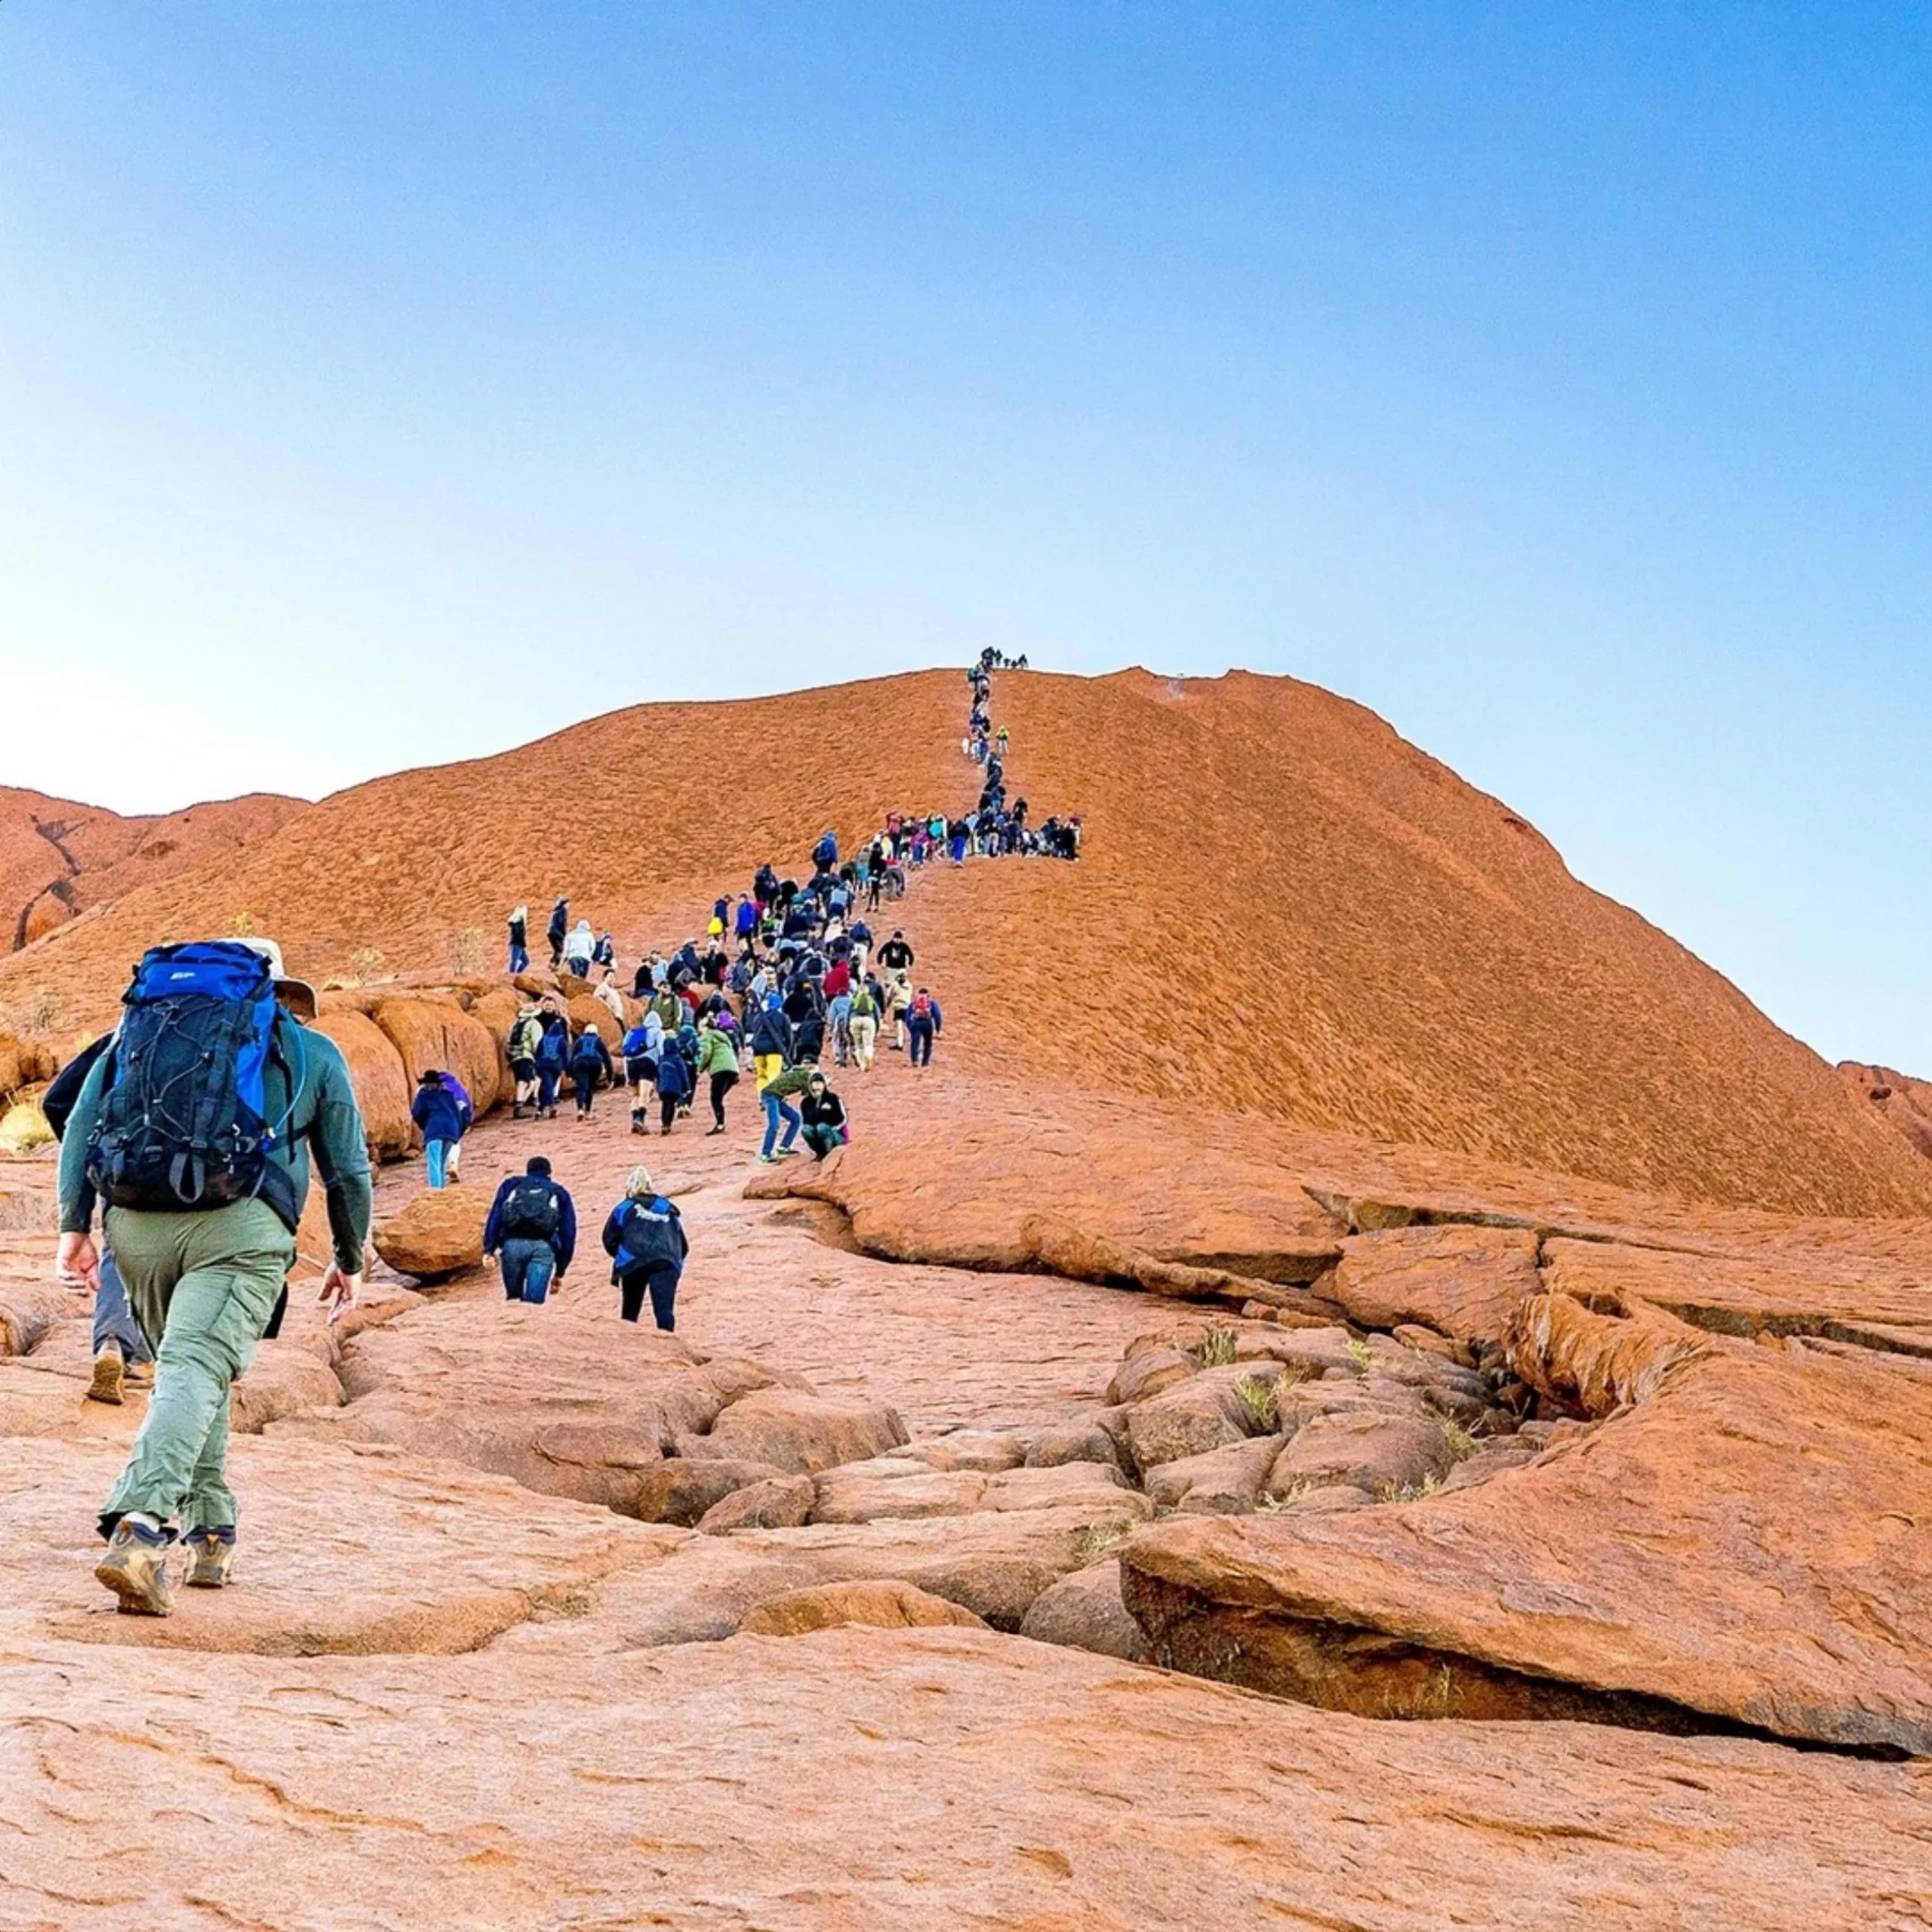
(718, 1056)
(207, 1284)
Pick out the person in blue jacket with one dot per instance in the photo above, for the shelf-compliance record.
(645, 1240)
(442, 1112)
(674, 1081)
(533, 1227)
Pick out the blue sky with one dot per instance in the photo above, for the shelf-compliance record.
(382, 384)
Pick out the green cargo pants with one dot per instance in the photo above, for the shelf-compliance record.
(203, 1286)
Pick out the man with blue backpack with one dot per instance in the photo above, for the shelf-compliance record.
(533, 1225)
(195, 1131)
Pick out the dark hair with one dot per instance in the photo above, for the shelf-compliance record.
(428, 1077)
(537, 1164)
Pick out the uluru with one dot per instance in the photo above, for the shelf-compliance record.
(944, 984)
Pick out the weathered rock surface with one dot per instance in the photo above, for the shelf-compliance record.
(797, 1432)
(437, 1233)
(1084, 1611)
(890, 1605)
(1462, 1282)
(1739, 1547)
(344, 1550)
(890, 1486)
(1117, 1807)
(775, 1502)
(431, 1032)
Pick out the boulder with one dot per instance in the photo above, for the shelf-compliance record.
(28, 1311)
(1222, 1482)
(430, 1030)
(434, 1234)
(383, 1087)
(1147, 1374)
(1384, 1454)
(981, 1449)
(1192, 1418)
(889, 1487)
(678, 1489)
(1084, 1612)
(24, 1063)
(777, 1502)
(800, 1433)
(891, 1604)
(1072, 1442)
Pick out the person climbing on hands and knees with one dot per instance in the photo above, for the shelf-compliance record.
(195, 1131)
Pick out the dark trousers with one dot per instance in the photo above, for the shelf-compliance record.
(547, 1077)
(921, 1033)
(660, 1283)
(721, 1084)
(667, 1110)
(585, 1084)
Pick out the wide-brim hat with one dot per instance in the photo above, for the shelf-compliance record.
(296, 995)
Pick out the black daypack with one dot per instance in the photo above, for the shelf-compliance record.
(183, 1122)
(530, 1210)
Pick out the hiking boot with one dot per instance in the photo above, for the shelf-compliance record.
(210, 1556)
(110, 1370)
(716, 1130)
(140, 1374)
(135, 1567)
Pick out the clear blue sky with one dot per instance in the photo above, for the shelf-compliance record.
(384, 384)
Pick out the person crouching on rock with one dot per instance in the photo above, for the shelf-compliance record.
(533, 1226)
(645, 1238)
(590, 1064)
(824, 1113)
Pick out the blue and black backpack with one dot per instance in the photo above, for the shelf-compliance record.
(184, 1116)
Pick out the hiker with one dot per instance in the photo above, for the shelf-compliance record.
(442, 1112)
(862, 1024)
(641, 1046)
(577, 949)
(590, 1064)
(604, 952)
(1001, 741)
(898, 1002)
(526, 1031)
(533, 1228)
(551, 1059)
(824, 1113)
(560, 924)
(210, 1051)
(717, 1057)
(924, 1019)
(645, 1238)
(610, 996)
(770, 1042)
(519, 941)
(674, 1084)
(122, 1356)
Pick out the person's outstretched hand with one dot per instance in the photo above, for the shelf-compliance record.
(339, 1290)
(77, 1264)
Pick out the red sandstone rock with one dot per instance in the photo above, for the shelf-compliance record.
(890, 1605)
(437, 1233)
(1461, 1281)
(383, 1087)
(1736, 1547)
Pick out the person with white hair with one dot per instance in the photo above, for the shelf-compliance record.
(645, 1238)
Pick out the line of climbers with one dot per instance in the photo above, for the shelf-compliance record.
(194, 1127)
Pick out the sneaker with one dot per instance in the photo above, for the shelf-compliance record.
(210, 1556)
(140, 1375)
(110, 1370)
(711, 1130)
(768, 1160)
(135, 1567)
